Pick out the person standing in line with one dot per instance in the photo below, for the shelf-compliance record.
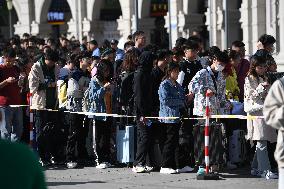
(143, 100)
(172, 101)
(255, 89)
(274, 115)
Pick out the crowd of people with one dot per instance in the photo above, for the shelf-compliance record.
(66, 77)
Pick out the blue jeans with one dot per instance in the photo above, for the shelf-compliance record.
(11, 126)
(260, 159)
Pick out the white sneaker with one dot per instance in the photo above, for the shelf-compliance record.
(149, 169)
(71, 165)
(269, 175)
(168, 171)
(103, 165)
(231, 166)
(255, 172)
(139, 169)
(186, 169)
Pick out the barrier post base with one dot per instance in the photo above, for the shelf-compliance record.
(210, 176)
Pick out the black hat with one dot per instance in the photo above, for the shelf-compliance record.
(94, 42)
(114, 41)
(107, 52)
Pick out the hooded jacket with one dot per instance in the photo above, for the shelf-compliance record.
(143, 85)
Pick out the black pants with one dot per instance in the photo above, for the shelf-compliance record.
(77, 136)
(45, 137)
(171, 139)
(103, 134)
(145, 142)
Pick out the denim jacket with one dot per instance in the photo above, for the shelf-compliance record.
(199, 85)
(172, 99)
(96, 94)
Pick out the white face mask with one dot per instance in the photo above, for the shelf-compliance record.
(219, 68)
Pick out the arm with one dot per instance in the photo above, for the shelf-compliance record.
(273, 109)
(33, 80)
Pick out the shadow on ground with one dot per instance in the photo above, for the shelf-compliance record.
(71, 183)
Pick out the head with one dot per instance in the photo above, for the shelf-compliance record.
(172, 71)
(85, 59)
(219, 61)
(258, 66)
(198, 40)
(239, 46)
(180, 42)
(92, 45)
(234, 58)
(50, 57)
(128, 46)
(139, 39)
(177, 54)
(25, 43)
(108, 54)
(104, 70)
(64, 42)
(9, 55)
(113, 44)
(32, 41)
(40, 43)
(130, 61)
(191, 50)
(164, 57)
(70, 61)
(267, 42)
(26, 36)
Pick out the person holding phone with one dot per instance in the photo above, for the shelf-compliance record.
(12, 127)
(255, 90)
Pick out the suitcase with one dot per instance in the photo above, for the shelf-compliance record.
(237, 147)
(125, 141)
(217, 143)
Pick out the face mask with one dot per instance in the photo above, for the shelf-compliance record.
(219, 68)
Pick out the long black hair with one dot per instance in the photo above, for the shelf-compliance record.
(102, 67)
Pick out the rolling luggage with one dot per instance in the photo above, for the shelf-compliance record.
(217, 143)
(237, 147)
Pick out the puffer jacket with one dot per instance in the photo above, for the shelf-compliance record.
(273, 111)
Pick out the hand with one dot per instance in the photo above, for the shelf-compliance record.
(189, 96)
(107, 85)
(143, 120)
(209, 92)
(11, 80)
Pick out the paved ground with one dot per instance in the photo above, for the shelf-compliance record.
(123, 178)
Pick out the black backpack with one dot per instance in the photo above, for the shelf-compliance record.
(126, 94)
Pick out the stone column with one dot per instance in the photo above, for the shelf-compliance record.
(24, 10)
(280, 57)
(258, 21)
(246, 19)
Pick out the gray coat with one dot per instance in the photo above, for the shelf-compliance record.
(273, 112)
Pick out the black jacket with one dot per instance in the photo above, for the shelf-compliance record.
(143, 85)
(157, 75)
(190, 68)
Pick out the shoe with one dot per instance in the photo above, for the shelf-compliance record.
(139, 169)
(231, 166)
(103, 165)
(149, 169)
(201, 171)
(269, 175)
(71, 165)
(186, 169)
(168, 171)
(45, 163)
(255, 172)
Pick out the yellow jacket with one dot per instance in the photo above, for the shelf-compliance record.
(232, 88)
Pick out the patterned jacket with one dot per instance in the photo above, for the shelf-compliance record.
(199, 84)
